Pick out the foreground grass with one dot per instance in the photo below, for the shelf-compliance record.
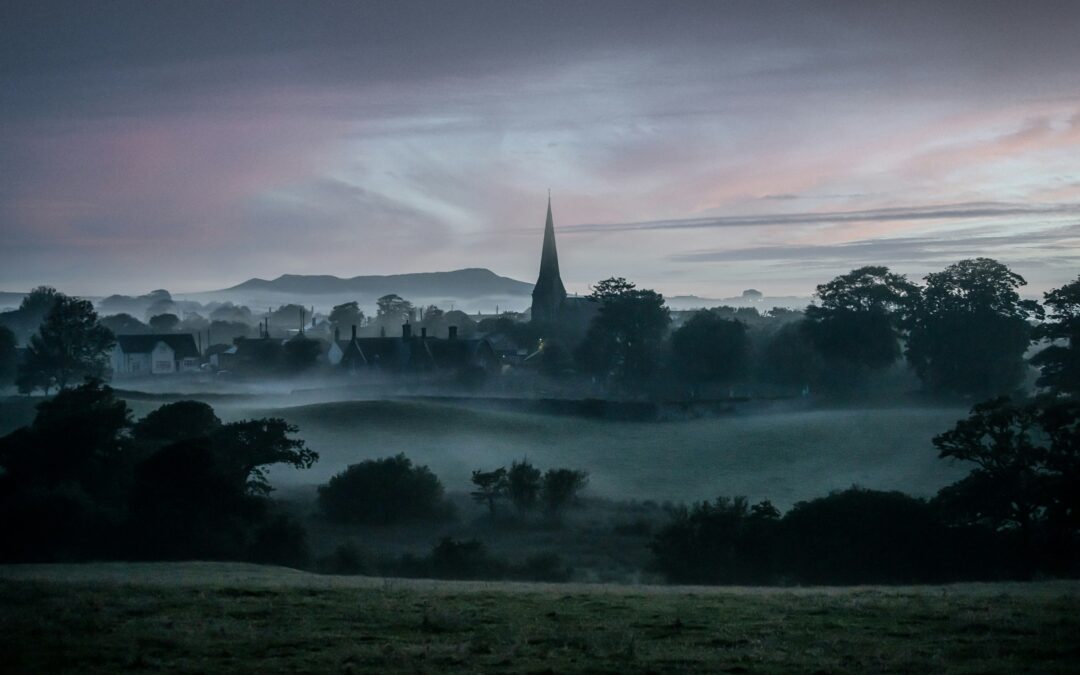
(201, 617)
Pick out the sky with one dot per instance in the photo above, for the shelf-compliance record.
(692, 147)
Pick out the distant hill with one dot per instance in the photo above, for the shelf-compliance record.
(466, 283)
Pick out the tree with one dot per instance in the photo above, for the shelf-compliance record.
(1027, 467)
(490, 487)
(789, 356)
(123, 324)
(164, 323)
(624, 339)
(523, 484)
(393, 308)
(1060, 361)
(969, 332)
(382, 492)
(561, 488)
(79, 437)
(346, 315)
(177, 421)
(857, 322)
(708, 348)
(70, 345)
(8, 355)
(25, 320)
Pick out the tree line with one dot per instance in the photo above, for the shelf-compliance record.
(964, 332)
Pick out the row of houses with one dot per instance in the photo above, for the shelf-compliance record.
(167, 354)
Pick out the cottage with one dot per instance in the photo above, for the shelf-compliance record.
(155, 354)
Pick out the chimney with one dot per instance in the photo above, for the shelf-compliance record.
(453, 332)
(337, 334)
(406, 330)
(423, 332)
(354, 331)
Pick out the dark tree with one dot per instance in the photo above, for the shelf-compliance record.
(69, 346)
(382, 492)
(346, 315)
(177, 421)
(393, 308)
(79, 437)
(561, 488)
(1060, 361)
(857, 321)
(523, 483)
(718, 543)
(8, 355)
(25, 320)
(1027, 468)
(708, 348)
(123, 324)
(490, 487)
(625, 338)
(790, 358)
(969, 332)
(164, 323)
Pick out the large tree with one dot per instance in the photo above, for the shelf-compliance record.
(346, 315)
(69, 346)
(969, 332)
(1027, 468)
(393, 308)
(856, 321)
(625, 338)
(1060, 361)
(708, 348)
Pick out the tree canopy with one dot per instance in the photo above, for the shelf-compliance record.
(969, 332)
(69, 346)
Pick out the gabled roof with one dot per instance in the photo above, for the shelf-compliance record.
(183, 344)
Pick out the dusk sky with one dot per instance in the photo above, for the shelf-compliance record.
(693, 147)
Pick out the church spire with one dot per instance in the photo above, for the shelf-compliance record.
(549, 292)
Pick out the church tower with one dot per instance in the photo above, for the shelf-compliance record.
(548, 295)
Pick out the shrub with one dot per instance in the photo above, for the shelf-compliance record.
(560, 489)
(383, 491)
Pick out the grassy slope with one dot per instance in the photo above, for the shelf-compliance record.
(203, 617)
(784, 456)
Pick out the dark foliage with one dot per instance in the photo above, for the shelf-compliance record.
(8, 356)
(624, 340)
(560, 489)
(453, 559)
(721, 542)
(69, 346)
(523, 484)
(1060, 361)
(969, 332)
(82, 482)
(382, 492)
(855, 536)
(708, 348)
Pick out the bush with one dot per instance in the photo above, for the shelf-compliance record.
(282, 541)
(725, 542)
(384, 491)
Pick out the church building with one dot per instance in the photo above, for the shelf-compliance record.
(550, 304)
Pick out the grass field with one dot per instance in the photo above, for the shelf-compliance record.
(785, 455)
(203, 617)
(782, 455)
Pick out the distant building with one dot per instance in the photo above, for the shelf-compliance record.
(550, 304)
(549, 294)
(161, 354)
(412, 353)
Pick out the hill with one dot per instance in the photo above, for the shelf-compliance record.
(220, 617)
(464, 283)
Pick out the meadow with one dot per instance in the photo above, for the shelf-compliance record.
(778, 453)
(217, 617)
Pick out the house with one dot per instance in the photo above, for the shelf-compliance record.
(154, 354)
(412, 353)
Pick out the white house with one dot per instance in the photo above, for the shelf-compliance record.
(162, 354)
